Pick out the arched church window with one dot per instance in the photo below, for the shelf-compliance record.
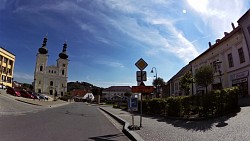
(41, 68)
(51, 83)
(62, 72)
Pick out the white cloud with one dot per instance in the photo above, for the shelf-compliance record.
(144, 29)
(111, 64)
(218, 15)
(20, 75)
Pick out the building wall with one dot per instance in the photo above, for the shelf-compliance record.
(7, 61)
(220, 51)
(115, 92)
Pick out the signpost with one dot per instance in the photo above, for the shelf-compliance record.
(140, 77)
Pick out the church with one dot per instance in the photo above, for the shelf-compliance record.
(51, 80)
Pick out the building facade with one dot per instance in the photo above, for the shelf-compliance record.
(229, 57)
(173, 86)
(51, 80)
(7, 61)
(115, 93)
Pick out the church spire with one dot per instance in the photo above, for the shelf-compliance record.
(43, 49)
(63, 54)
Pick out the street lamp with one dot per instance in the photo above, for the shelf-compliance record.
(218, 66)
(152, 71)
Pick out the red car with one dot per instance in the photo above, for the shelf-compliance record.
(26, 94)
(13, 91)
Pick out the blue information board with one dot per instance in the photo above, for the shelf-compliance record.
(133, 104)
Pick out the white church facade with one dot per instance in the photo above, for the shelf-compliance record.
(51, 80)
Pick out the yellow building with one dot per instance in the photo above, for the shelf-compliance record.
(7, 61)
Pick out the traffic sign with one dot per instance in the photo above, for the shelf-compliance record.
(141, 76)
(141, 64)
(133, 104)
(142, 89)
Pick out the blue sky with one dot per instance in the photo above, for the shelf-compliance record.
(106, 37)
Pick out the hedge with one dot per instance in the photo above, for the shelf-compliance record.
(214, 103)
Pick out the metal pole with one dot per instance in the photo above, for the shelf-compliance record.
(141, 112)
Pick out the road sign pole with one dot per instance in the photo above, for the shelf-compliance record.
(141, 112)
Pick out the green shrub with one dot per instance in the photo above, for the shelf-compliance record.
(214, 103)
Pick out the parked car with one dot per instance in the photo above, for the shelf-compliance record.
(2, 86)
(13, 91)
(26, 94)
(45, 96)
(36, 96)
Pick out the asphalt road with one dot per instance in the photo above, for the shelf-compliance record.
(73, 122)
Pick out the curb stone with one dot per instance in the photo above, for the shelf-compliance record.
(131, 134)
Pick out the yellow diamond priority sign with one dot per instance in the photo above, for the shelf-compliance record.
(141, 64)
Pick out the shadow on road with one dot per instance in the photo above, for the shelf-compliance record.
(112, 137)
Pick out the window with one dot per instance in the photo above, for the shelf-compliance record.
(61, 93)
(39, 91)
(10, 62)
(39, 82)
(64, 65)
(51, 83)
(54, 71)
(9, 79)
(241, 55)
(49, 71)
(62, 72)
(5, 60)
(41, 68)
(230, 60)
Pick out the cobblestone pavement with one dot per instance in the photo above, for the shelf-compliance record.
(234, 127)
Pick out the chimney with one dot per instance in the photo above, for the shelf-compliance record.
(217, 41)
(233, 25)
(209, 43)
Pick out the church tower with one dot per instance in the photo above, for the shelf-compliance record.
(40, 68)
(51, 79)
(62, 65)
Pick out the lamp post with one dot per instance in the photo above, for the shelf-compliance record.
(152, 71)
(218, 66)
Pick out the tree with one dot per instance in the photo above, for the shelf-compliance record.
(186, 81)
(97, 92)
(158, 83)
(204, 76)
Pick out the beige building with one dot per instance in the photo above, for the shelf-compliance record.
(51, 80)
(228, 56)
(7, 61)
(229, 59)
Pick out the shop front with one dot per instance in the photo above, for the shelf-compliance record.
(241, 80)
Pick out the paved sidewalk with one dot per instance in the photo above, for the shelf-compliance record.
(43, 103)
(234, 127)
